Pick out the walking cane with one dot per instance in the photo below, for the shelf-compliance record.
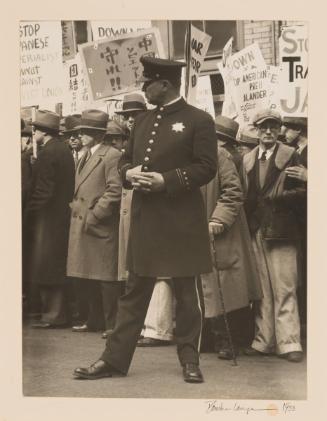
(222, 302)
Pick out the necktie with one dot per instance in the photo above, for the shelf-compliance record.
(76, 158)
(84, 160)
(263, 156)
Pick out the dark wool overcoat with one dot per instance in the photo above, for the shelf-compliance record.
(93, 237)
(235, 259)
(47, 212)
(169, 233)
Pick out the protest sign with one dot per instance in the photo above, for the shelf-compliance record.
(204, 98)
(41, 70)
(251, 83)
(229, 107)
(273, 73)
(293, 51)
(197, 49)
(68, 40)
(75, 97)
(113, 66)
(115, 28)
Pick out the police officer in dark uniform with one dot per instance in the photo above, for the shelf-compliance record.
(170, 155)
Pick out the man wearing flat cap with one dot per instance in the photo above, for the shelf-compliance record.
(271, 200)
(171, 153)
(93, 236)
(48, 213)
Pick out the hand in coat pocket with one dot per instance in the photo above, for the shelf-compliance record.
(94, 227)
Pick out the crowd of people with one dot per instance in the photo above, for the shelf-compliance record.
(163, 226)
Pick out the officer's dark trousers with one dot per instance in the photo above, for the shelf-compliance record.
(132, 309)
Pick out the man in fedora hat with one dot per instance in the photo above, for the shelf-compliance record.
(171, 153)
(71, 135)
(226, 131)
(248, 140)
(133, 105)
(93, 237)
(271, 200)
(48, 213)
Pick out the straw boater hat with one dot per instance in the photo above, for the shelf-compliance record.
(72, 122)
(226, 128)
(116, 129)
(132, 102)
(94, 119)
(46, 120)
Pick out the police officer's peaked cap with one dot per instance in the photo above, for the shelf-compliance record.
(266, 114)
(159, 68)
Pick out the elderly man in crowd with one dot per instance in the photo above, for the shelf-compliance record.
(93, 237)
(271, 197)
(170, 155)
(48, 213)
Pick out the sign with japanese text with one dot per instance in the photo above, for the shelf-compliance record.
(113, 66)
(116, 28)
(68, 40)
(293, 50)
(76, 97)
(41, 70)
(198, 47)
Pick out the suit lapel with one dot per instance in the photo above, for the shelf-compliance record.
(91, 164)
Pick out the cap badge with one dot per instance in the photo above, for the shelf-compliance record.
(178, 127)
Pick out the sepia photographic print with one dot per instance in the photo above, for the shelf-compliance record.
(163, 219)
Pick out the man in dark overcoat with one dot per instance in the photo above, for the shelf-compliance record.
(171, 153)
(48, 213)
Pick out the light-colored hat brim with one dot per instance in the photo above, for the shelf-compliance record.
(102, 129)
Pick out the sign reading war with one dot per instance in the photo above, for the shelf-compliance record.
(293, 45)
(113, 66)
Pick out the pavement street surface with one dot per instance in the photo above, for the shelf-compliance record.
(50, 356)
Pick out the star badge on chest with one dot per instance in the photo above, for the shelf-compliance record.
(178, 127)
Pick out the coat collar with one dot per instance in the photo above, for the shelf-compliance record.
(175, 106)
(92, 163)
(282, 156)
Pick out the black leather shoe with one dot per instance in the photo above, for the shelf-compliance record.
(46, 325)
(226, 354)
(192, 373)
(81, 328)
(97, 370)
(106, 334)
(293, 357)
(148, 342)
(251, 352)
